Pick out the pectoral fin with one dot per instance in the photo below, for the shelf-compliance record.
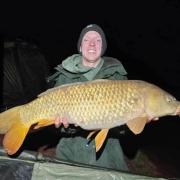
(100, 138)
(137, 125)
(91, 134)
(43, 123)
(14, 137)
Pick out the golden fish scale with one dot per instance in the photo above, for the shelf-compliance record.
(89, 105)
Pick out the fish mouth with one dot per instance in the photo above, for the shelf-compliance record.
(177, 111)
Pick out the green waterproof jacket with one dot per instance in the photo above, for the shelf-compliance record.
(110, 69)
(75, 148)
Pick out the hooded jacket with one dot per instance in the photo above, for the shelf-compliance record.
(71, 70)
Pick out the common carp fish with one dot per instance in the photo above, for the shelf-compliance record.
(97, 105)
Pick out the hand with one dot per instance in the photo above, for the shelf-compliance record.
(69, 129)
(152, 119)
(58, 121)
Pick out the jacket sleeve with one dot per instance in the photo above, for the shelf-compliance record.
(57, 79)
(113, 69)
(118, 76)
(60, 80)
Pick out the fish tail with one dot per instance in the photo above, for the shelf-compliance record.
(7, 118)
(15, 131)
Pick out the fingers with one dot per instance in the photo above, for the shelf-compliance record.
(152, 119)
(58, 121)
(65, 122)
(149, 120)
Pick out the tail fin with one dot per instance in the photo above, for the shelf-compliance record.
(7, 118)
(15, 131)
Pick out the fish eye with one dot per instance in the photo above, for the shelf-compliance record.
(170, 99)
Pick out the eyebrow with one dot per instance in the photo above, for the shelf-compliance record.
(87, 37)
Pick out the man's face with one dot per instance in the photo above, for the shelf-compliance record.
(91, 46)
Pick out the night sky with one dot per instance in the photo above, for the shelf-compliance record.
(144, 35)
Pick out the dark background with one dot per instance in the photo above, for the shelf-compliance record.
(144, 35)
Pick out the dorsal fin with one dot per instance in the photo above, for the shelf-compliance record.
(56, 88)
(99, 80)
(70, 84)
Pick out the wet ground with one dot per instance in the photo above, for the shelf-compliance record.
(156, 155)
(151, 156)
(155, 161)
(149, 161)
(156, 151)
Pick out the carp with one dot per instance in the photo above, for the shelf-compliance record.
(97, 105)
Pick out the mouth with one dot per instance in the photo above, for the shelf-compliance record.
(91, 51)
(178, 111)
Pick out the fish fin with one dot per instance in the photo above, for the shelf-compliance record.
(57, 88)
(100, 138)
(7, 118)
(70, 84)
(91, 134)
(43, 122)
(99, 80)
(137, 125)
(14, 138)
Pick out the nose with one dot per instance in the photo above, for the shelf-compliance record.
(92, 42)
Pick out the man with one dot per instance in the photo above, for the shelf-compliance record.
(88, 65)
